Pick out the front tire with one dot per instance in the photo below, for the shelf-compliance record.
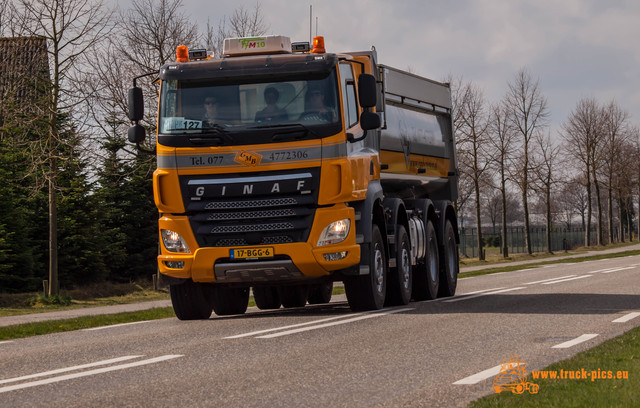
(190, 300)
(368, 292)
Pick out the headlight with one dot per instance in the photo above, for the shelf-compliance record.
(335, 232)
(173, 242)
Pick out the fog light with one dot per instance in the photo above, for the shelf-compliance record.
(175, 265)
(335, 256)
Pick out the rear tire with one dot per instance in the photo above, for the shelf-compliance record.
(400, 280)
(367, 292)
(190, 300)
(320, 293)
(450, 263)
(293, 296)
(426, 276)
(266, 297)
(229, 301)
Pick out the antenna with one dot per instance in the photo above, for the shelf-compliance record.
(310, 22)
(316, 26)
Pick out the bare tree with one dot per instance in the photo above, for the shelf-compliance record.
(581, 133)
(501, 140)
(528, 114)
(615, 139)
(71, 28)
(472, 145)
(243, 23)
(545, 171)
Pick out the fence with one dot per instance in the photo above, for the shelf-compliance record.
(561, 239)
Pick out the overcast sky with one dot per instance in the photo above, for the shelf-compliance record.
(576, 48)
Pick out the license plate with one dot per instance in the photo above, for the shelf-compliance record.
(246, 253)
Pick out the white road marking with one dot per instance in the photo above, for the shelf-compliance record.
(566, 280)
(548, 280)
(6, 342)
(479, 291)
(237, 336)
(626, 317)
(88, 373)
(321, 326)
(604, 270)
(482, 375)
(116, 325)
(619, 269)
(638, 264)
(495, 292)
(577, 340)
(67, 369)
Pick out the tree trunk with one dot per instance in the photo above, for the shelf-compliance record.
(599, 209)
(503, 191)
(54, 286)
(610, 211)
(548, 193)
(478, 222)
(587, 231)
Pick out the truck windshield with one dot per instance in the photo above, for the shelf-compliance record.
(202, 107)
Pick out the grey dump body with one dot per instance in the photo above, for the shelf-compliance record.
(417, 123)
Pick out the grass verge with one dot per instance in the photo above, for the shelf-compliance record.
(103, 294)
(85, 322)
(497, 269)
(619, 354)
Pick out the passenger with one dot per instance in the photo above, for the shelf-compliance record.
(271, 112)
(315, 108)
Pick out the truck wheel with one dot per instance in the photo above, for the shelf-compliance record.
(293, 296)
(367, 292)
(229, 301)
(320, 293)
(190, 300)
(266, 297)
(399, 287)
(426, 276)
(450, 266)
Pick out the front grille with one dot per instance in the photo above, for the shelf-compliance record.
(254, 209)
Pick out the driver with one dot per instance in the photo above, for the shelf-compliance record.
(271, 112)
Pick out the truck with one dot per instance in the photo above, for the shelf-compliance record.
(283, 168)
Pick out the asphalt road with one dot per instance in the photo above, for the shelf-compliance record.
(436, 353)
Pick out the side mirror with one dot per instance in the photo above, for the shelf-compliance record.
(136, 134)
(370, 121)
(136, 105)
(367, 90)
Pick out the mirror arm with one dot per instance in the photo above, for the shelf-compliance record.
(144, 75)
(352, 139)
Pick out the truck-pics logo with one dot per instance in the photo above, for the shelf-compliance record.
(255, 42)
(513, 377)
(248, 158)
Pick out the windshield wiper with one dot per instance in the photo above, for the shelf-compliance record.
(291, 133)
(214, 135)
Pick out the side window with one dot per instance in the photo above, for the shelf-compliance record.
(349, 95)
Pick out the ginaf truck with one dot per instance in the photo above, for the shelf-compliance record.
(283, 168)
